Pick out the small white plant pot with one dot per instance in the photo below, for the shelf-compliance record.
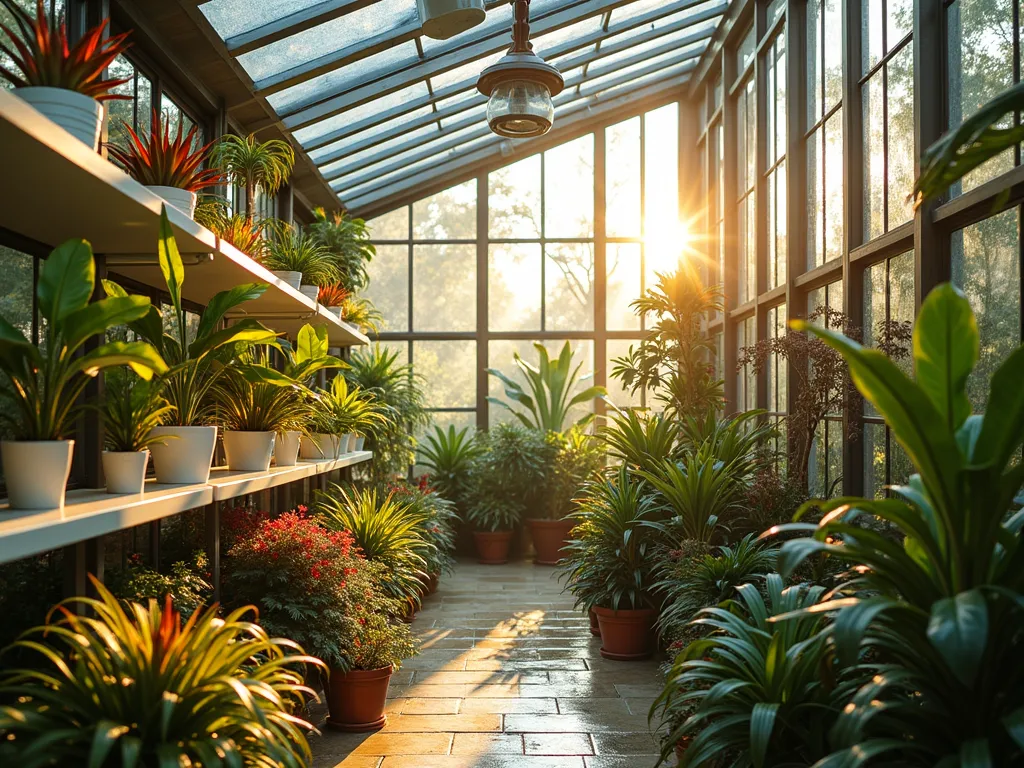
(181, 199)
(249, 451)
(360, 442)
(37, 472)
(293, 278)
(185, 456)
(348, 442)
(310, 291)
(319, 447)
(286, 448)
(336, 311)
(125, 471)
(76, 113)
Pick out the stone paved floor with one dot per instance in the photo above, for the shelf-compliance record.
(508, 675)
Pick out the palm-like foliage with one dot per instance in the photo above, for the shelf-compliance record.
(41, 55)
(132, 408)
(944, 611)
(741, 441)
(289, 249)
(697, 495)
(252, 397)
(342, 409)
(156, 159)
(449, 456)
(332, 295)
(641, 441)
(195, 363)
(386, 530)
(608, 559)
(309, 356)
(47, 380)
(131, 686)
(550, 384)
(348, 240)
(674, 358)
(753, 693)
(253, 165)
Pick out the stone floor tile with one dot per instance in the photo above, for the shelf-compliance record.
(487, 744)
(640, 706)
(625, 743)
(573, 723)
(633, 691)
(433, 723)
(606, 707)
(627, 761)
(569, 690)
(558, 744)
(479, 677)
(350, 761)
(489, 761)
(519, 666)
(509, 706)
(420, 691)
(424, 706)
(405, 744)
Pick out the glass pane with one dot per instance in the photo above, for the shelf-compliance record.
(569, 189)
(233, 17)
(775, 9)
(833, 36)
(899, 16)
(814, 61)
(777, 101)
(833, 181)
(874, 157)
(986, 264)
(777, 227)
(900, 101)
(748, 249)
(500, 357)
(777, 371)
(375, 109)
(448, 215)
(569, 287)
(514, 200)
(389, 285)
(622, 179)
(444, 288)
(874, 312)
(514, 287)
(448, 369)
(661, 171)
(745, 53)
(618, 394)
(390, 226)
(835, 458)
(623, 265)
(874, 460)
(872, 22)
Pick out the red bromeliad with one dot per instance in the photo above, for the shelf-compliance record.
(333, 295)
(44, 59)
(157, 160)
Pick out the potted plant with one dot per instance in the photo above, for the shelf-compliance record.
(243, 233)
(186, 691)
(449, 455)
(133, 409)
(302, 363)
(340, 412)
(293, 255)
(348, 240)
(577, 456)
(63, 82)
(170, 168)
(47, 380)
(197, 359)
(333, 297)
(437, 528)
(254, 165)
(610, 565)
(360, 312)
(508, 477)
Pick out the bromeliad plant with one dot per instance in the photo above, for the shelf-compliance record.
(157, 160)
(133, 407)
(943, 611)
(332, 295)
(215, 690)
(47, 380)
(41, 56)
(551, 382)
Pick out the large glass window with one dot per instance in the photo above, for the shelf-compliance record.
(135, 111)
(746, 379)
(778, 377)
(776, 176)
(825, 464)
(746, 165)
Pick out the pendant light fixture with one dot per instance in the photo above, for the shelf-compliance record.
(520, 86)
(442, 19)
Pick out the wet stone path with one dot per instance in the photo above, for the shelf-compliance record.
(508, 676)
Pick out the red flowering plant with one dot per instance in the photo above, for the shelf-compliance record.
(311, 585)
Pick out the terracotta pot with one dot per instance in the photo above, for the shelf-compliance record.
(356, 699)
(626, 635)
(549, 536)
(595, 627)
(492, 546)
(435, 579)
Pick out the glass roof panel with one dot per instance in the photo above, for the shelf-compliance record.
(378, 130)
(310, 134)
(602, 64)
(498, 19)
(233, 17)
(426, 132)
(477, 113)
(634, 9)
(348, 30)
(463, 97)
(354, 74)
(548, 40)
(599, 77)
(468, 71)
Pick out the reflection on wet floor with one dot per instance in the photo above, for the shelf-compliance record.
(508, 676)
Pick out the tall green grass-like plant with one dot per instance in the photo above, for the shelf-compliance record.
(696, 495)
(641, 441)
(753, 693)
(289, 249)
(449, 456)
(943, 612)
(133, 687)
(347, 239)
(132, 408)
(547, 404)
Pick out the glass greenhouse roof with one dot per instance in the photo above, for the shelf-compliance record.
(380, 108)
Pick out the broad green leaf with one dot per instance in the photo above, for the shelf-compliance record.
(1003, 425)
(224, 302)
(100, 315)
(142, 358)
(946, 342)
(976, 754)
(104, 739)
(267, 375)
(958, 629)
(762, 723)
(66, 280)
(11, 334)
(247, 331)
(1014, 724)
(311, 343)
(170, 260)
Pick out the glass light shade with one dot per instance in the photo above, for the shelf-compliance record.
(520, 108)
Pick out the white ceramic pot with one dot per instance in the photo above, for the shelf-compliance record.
(249, 451)
(336, 311)
(319, 447)
(181, 199)
(310, 291)
(293, 278)
(348, 443)
(37, 472)
(442, 19)
(185, 456)
(125, 471)
(360, 442)
(76, 113)
(286, 448)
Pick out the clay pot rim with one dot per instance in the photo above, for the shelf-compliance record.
(365, 674)
(623, 613)
(490, 534)
(544, 522)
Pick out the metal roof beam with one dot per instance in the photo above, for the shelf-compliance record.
(683, 64)
(293, 23)
(566, 65)
(330, 104)
(565, 97)
(500, 149)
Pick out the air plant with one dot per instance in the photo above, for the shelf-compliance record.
(157, 160)
(41, 56)
(333, 295)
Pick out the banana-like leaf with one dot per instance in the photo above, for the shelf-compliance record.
(311, 343)
(247, 331)
(66, 280)
(946, 343)
(224, 302)
(98, 316)
(170, 260)
(142, 358)
(1003, 425)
